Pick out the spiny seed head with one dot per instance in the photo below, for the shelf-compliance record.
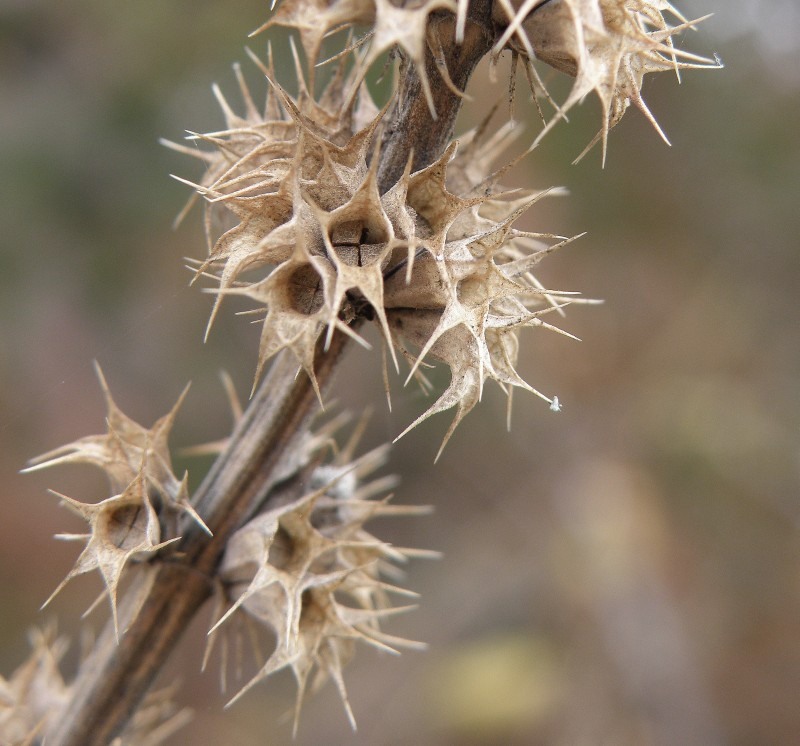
(310, 573)
(35, 695)
(434, 259)
(127, 451)
(608, 46)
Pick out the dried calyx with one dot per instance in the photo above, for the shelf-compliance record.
(309, 573)
(608, 46)
(127, 451)
(147, 499)
(305, 569)
(435, 260)
(37, 692)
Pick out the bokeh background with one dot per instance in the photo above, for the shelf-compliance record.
(624, 572)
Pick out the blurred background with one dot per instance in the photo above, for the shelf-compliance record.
(624, 572)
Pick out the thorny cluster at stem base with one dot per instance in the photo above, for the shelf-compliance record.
(310, 237)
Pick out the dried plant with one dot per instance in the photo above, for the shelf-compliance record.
(327, 211)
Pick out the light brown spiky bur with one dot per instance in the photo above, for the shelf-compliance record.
(126, 452)
(35, 693)
(125, 527)
(434, 260)
(608, 46)
(309, 572)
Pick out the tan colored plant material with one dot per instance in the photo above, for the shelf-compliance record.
(326, 212)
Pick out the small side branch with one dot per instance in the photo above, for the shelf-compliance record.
(413, 128)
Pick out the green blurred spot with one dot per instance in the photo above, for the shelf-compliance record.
(498, 684)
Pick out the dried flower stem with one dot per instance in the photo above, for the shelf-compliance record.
(336, 227)
(414, 129)
(115, 678)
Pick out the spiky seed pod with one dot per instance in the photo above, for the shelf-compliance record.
(122, 528)
(155, 720)
(34, 692)
(142, 515)
(608, 46)
(127, 450)
(434, 259)
(37, 692)
(310, 573)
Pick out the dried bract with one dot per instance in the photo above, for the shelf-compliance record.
(434, 260)
(310, 573)
(127, 450)
(122, 528)
(608, 46)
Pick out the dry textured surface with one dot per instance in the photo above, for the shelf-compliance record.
(125, 526)
(36, 690)
(434, 258)
(665, 557)
(311, 574)
(444, 273)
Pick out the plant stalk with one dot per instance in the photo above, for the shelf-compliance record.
(116, 676)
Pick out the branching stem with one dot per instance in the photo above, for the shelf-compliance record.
(116, 676)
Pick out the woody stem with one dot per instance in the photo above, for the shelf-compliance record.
(116, 676)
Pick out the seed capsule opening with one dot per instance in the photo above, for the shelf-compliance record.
(126, 527)
(304, 291)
